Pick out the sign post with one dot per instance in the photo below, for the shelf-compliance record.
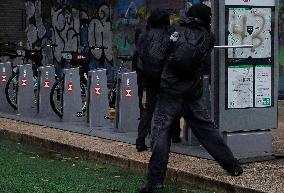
(26, 91)
(98, 115)
(127, 103)
(46, 81)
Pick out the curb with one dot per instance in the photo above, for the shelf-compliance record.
(173, 175)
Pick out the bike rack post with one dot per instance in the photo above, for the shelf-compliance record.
(26, 95)
(127, 103)
(72, 103)
(46, 80)
(5, 73)
(98, 113)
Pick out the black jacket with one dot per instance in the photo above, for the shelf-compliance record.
(187, 84)
(151, 50)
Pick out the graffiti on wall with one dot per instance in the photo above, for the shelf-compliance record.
(35, 28)
(118, 34)
(107, 25)
(250, 26)
(76, 28)
(66, 25)
(127, 17)
(100, 34)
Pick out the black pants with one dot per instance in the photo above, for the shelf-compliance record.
(144, 126)
(140, 91)
(196, 115)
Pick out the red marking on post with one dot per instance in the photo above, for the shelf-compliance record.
(128, 92)
(46, 84)
(98, 90)
(4, 78)
(24, 82)
(70, 87)
(246, 1)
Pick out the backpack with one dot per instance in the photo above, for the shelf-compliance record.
(190, 51)
(151, 50)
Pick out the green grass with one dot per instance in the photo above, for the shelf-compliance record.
(26, 169)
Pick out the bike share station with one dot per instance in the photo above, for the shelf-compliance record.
(243, 88)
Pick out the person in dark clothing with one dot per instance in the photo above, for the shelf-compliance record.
(180, 93)
(134, 68)
(151, 52)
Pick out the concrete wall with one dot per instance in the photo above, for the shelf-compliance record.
(12, 20)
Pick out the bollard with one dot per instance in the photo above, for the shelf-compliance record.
(26, 93)
(72, 102)
(6, 72)
(98, 115)
(127, 103)
(46, 80)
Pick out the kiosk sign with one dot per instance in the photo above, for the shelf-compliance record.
(249, 71)
(251, 2)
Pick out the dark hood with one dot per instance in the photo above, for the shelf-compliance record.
(192, 22)
(158, 18)
(201, 12)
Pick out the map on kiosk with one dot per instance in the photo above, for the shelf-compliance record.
(251, 2)
(250, 26)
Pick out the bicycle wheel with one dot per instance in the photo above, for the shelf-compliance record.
(112, 95)
(84, 97)
(36, 90)
(11, 90)
(56, 97)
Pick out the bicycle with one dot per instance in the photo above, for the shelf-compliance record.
(27, 56)
(72, 59)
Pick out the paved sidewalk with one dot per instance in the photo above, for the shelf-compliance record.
(258, 177)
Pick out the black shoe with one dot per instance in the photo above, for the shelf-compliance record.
(235, 171)
(176, 139)
(141, 148)
(147, 188)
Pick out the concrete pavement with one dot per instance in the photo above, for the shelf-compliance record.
(264, 176)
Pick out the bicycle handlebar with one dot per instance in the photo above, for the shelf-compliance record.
(8, 44)
(98, 47)
(125, 57)
(48, 45)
